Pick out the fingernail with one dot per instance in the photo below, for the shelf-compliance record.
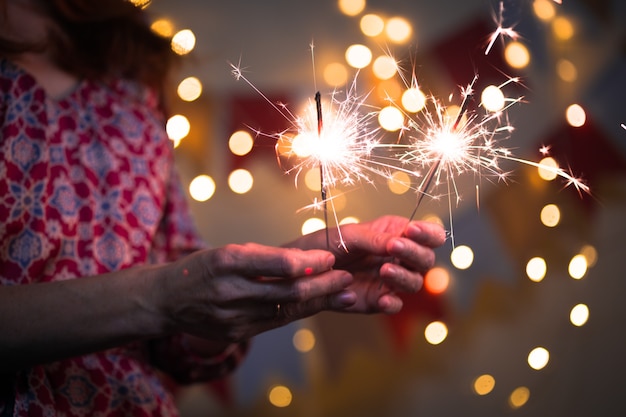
(398, 245)
(330, 262)
(414, 230)
(346, 298)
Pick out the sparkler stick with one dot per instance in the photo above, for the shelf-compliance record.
(320, 124)
(425, 184)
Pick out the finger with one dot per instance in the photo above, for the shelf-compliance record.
(300, 290)
(253, 260)
(426, 233)
(401, 279)
(390, 303)
(411, 255)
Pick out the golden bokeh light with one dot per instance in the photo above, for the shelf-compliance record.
(547, 169)
(391, 118)
(544, 9)
(283, 145)
(163, 27)
(398, 30)
(566, 70)
(189, 89)
(484, 384)
(372, 25)
(240, 181)
(183, 42)
(202, 188)
(312, 225)
(538, 358)
(399, 182)
(516, 55)
(335, 74)
(349, 220)
(413, 100)
(351, 7)
(577, 267)
(492, 98)
(280, 396)
(536, 269)
(240, 142)
(590, 253)
(303, 145)
(358, 56)
(384, 67)
(436, 332)
(462, 257)
(575, 115)
(304, 340)
(562, 28)
(177, 127)
(579, 315)
(141, 3)
(519, 397)
(437, 280)
(312, 179)
(550, 215)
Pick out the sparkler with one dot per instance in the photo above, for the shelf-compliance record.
(337, 138)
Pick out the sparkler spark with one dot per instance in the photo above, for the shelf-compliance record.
(501, 30)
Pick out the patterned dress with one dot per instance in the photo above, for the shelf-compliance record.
(88, 186)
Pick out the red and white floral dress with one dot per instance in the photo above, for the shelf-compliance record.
(88, 186)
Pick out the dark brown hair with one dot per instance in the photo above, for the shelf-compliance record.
(101, 39)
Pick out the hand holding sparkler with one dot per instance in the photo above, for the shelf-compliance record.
(385, 256)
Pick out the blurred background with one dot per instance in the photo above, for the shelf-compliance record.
(523, 314)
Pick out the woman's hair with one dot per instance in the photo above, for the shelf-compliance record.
(101, 39)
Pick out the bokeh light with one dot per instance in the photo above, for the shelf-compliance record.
(484, 384)
(358, 56)
(335, 74)
(177, 127)
(462, 257)
(390, 118)
(189, 89)
(579, 315)
(544, 9)
(312, 179)
(183, 42)
(547, 169)
(349, 220)
(398, 29)
(163, 27)
(566, 70)
(280, 396)
(351, 7)
(384, 67)
(519, 397)
(202, 188)
(436, 332)
(563, 28)
(492, 98)
(516, 55)
(536, 269)
(538, 358)
(312, 225)
(577, 267)
(575, 115)
(590, 253)
(304, 340)
(399, 182)
(550, 215)
(413, 100)
(240, 181)
(240, 142)
(437, 280)
(372, 25)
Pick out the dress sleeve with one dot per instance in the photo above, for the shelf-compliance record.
(177, 235)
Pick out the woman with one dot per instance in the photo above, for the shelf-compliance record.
(104, 279)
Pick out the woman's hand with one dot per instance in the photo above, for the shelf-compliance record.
(237, 291)
(385, 256)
